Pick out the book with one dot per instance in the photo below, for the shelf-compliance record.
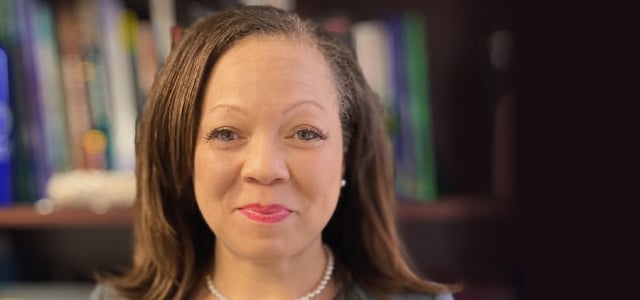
(52, 100)
(5, 130)
(371, 42)
(402, 135)
(163, 17)
(189, 11)
(338, 25)
(70, 39)
(416, 52)
(288, 5)
(113, 20)
(146, 62)
(21, 174)
(31, 98)
(96, 73)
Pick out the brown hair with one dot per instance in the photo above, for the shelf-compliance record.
(174, 244)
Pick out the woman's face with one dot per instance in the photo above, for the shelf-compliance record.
(268, 158)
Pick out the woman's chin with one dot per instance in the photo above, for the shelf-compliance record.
(263, 249)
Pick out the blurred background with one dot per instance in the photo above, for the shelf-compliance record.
(74, 75)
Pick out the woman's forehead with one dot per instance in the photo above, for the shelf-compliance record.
(266, 67)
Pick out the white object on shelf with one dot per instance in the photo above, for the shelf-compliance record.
(95, 189)
(48, 291)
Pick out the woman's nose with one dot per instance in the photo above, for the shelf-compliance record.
(265, 162)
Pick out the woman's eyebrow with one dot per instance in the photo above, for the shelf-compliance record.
(292, 107)
(228, 107)
(305, 102)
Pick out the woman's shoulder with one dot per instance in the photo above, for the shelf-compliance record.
(105, 292)
(357, 292)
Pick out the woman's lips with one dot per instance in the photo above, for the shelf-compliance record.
(269, 214)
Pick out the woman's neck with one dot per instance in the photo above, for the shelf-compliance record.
(288, 277)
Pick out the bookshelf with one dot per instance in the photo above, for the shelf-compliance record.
(471, 218)
(18, 217)
(471, 222)
(446, 209)
(465, 91)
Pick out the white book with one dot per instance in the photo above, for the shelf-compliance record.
(163, 17)
(288, 5)
(371, 43)
(121, 84)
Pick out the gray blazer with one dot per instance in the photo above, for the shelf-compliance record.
(103, 292)
(359, 293)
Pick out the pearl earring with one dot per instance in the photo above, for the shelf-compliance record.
(343, 183)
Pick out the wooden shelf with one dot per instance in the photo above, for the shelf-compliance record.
(27, 216)
(446, 209)
(453, 209)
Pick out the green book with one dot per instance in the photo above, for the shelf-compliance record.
(52, 106)
(419, 100)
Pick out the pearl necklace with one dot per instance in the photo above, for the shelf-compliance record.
(323, 283)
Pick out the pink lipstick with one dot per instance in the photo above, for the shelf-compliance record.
(269, 214)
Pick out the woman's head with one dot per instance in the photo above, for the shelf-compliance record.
(268, 157)
(250, 99)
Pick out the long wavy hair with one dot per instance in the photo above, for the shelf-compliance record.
(173, 244)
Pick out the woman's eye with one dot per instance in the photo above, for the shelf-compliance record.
(309, 134)
(223, 134)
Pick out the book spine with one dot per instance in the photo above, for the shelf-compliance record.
(21, 167)
(52, 101)
(33, 96)
(163, 17)
(403, 136)
(131, 25)
(421, 120)
(372, 50)
(98, 155)
(121, 83)
(70, 35)
(5, 131)
(147, 62)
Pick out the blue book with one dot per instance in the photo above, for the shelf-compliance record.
(5, 130)
(12, 21)
(32, 98)
(402, 136)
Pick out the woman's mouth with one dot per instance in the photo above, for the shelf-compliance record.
(269, 214)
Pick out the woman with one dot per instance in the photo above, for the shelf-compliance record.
(264, 172)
